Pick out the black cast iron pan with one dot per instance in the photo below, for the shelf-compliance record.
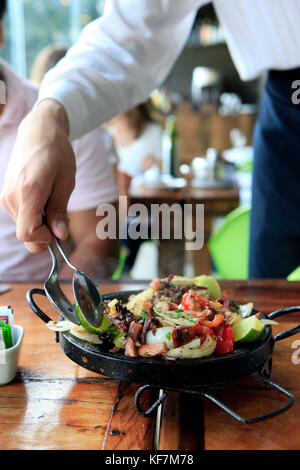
(188, 374)
(184, 372)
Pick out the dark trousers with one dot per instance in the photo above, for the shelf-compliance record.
(131, 246)
(275, 214)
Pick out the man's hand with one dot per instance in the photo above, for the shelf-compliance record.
(40, 176)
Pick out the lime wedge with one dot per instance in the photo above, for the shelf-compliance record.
(247, 330)
(210, 282)
(201, 281)
(91, 329)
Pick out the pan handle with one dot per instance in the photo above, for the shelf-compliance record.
(36, 309)
(290, 332)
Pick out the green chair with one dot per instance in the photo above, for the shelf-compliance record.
(295, 275)
(120, 268)
(229, 245)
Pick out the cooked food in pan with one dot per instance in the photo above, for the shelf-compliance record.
(175, 318)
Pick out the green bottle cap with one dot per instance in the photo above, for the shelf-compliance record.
(7, 335)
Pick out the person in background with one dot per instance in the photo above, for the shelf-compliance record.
(46, 59)
(95, 184)
(138, 142)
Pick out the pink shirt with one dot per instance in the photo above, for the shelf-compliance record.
(95, 182)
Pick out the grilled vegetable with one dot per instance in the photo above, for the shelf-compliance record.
(91, 329)
(140, 303)
(117, 336)
(63, 325)
(160, 335)
(245, 310)
(207, 282)
(81, 333)
(248, 330)
(176, 317)
(194, 349)
(225, 340)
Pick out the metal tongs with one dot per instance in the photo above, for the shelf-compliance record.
(85, 291)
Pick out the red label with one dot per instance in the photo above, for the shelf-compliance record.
(4, 319)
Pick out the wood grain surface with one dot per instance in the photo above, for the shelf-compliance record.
(55, 404)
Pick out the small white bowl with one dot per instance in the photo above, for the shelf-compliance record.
(9, 357)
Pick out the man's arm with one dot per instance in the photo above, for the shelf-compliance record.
(40, 176)
(116, 63)
(119, 59)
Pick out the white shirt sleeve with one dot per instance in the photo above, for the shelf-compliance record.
(119, 59)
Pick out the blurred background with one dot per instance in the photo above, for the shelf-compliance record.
(206, 114)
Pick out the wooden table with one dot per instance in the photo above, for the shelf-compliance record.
(217, 203)
(55, 404)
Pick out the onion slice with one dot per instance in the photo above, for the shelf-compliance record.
(245, 310)
(266, 321)
(194, 350)
(63, 325)
(170, 318)
(81, 333)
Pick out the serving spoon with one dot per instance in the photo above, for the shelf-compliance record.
(55, 294)
(85, 291)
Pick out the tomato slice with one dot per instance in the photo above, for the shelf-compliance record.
(225, 340)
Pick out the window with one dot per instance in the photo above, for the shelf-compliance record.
(30, 25)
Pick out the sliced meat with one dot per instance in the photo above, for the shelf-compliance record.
(224, 300)
(146, 324)
(172, 306)
(162, 305)
(123, 318)
(150, 350)
(170, 294)
(118, 322)
(134, 330)
(159, 284)
(193, 301)
(130, 349)
(185, 334)
(165, 305)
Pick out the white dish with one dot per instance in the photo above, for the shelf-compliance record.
(9, 357)
(166, 182)
(207, 184)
